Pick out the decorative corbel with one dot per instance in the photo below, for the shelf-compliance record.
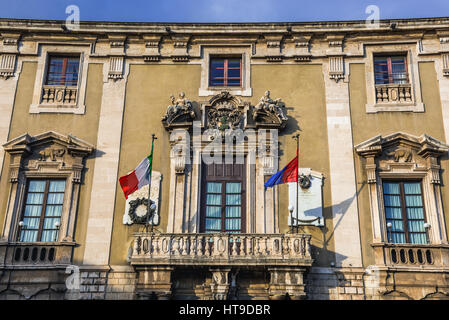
(180, 48)
(268, 161)
(7, 65)
(152, 50)
(336, 57)
(117, 56)
(9, 55)
(302, 48)
(445, 60)
(274, 46)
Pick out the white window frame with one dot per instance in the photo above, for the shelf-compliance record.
(243, 51)
(390, 49)
(41, 73)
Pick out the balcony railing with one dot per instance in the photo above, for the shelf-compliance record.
(221, 249)
(394, 93)
(35, 254)
(59, 95)
(412, 255)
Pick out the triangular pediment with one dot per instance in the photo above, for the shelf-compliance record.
(26, 143)
(423, 144)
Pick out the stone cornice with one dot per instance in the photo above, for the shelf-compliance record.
(29, 25)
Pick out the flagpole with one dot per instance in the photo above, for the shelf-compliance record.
(296, 137)
(153, 137)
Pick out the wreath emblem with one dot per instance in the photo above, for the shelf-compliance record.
(304, 181)
(134, 211)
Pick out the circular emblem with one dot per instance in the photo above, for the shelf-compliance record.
(138, 210)
(304, 181)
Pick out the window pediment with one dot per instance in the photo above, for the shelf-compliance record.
(49, 152)
(402, 153)
(404, 146)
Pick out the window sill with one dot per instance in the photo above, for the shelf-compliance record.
(57, 108)
(411, 255)
(395, 107)
(237, 91)
(32, 254)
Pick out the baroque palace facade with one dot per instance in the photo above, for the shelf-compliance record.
(369, 219)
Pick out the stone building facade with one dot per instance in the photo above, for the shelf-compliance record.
(368, 219)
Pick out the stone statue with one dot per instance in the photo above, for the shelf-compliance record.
(270, 106)
(180, 106)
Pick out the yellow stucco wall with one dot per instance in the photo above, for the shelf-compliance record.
(147, 97)
(366, 126)
(82, 126)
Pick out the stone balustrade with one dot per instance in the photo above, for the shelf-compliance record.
(59, 95)
(221, 248)
(410, 255)
(394, 93)
(35, 253)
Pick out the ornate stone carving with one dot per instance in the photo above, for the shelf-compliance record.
(7, 65)
(403, 154)
(270, 111)
(223, 114)
(51, 153)
(336, 68)
(138, 211)
(220, 283)
(180, 110)
(116, 67)
(445, 59)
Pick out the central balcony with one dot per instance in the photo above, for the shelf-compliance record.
(221, 249)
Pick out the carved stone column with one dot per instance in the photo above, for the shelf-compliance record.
(285, 280)
(154, 283)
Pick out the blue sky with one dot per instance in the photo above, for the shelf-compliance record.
(222, 10)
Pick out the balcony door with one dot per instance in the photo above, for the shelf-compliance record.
(223, 198)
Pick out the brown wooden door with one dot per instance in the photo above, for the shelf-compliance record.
(223, 198)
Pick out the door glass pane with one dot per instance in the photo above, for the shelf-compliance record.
(233, 224)
(233, 199)
(213, 211)
(213, 199)
(213, 187)
(233, 187)
(213, 224)
(233, 212)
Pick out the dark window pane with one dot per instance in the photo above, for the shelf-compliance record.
(225, 72)
(63, 71)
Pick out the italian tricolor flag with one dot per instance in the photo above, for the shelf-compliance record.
(139, 177)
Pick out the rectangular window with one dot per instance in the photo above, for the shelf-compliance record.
(63, 70)
(391, 70)
(42, 210)
(404, 212)
(225, 72)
